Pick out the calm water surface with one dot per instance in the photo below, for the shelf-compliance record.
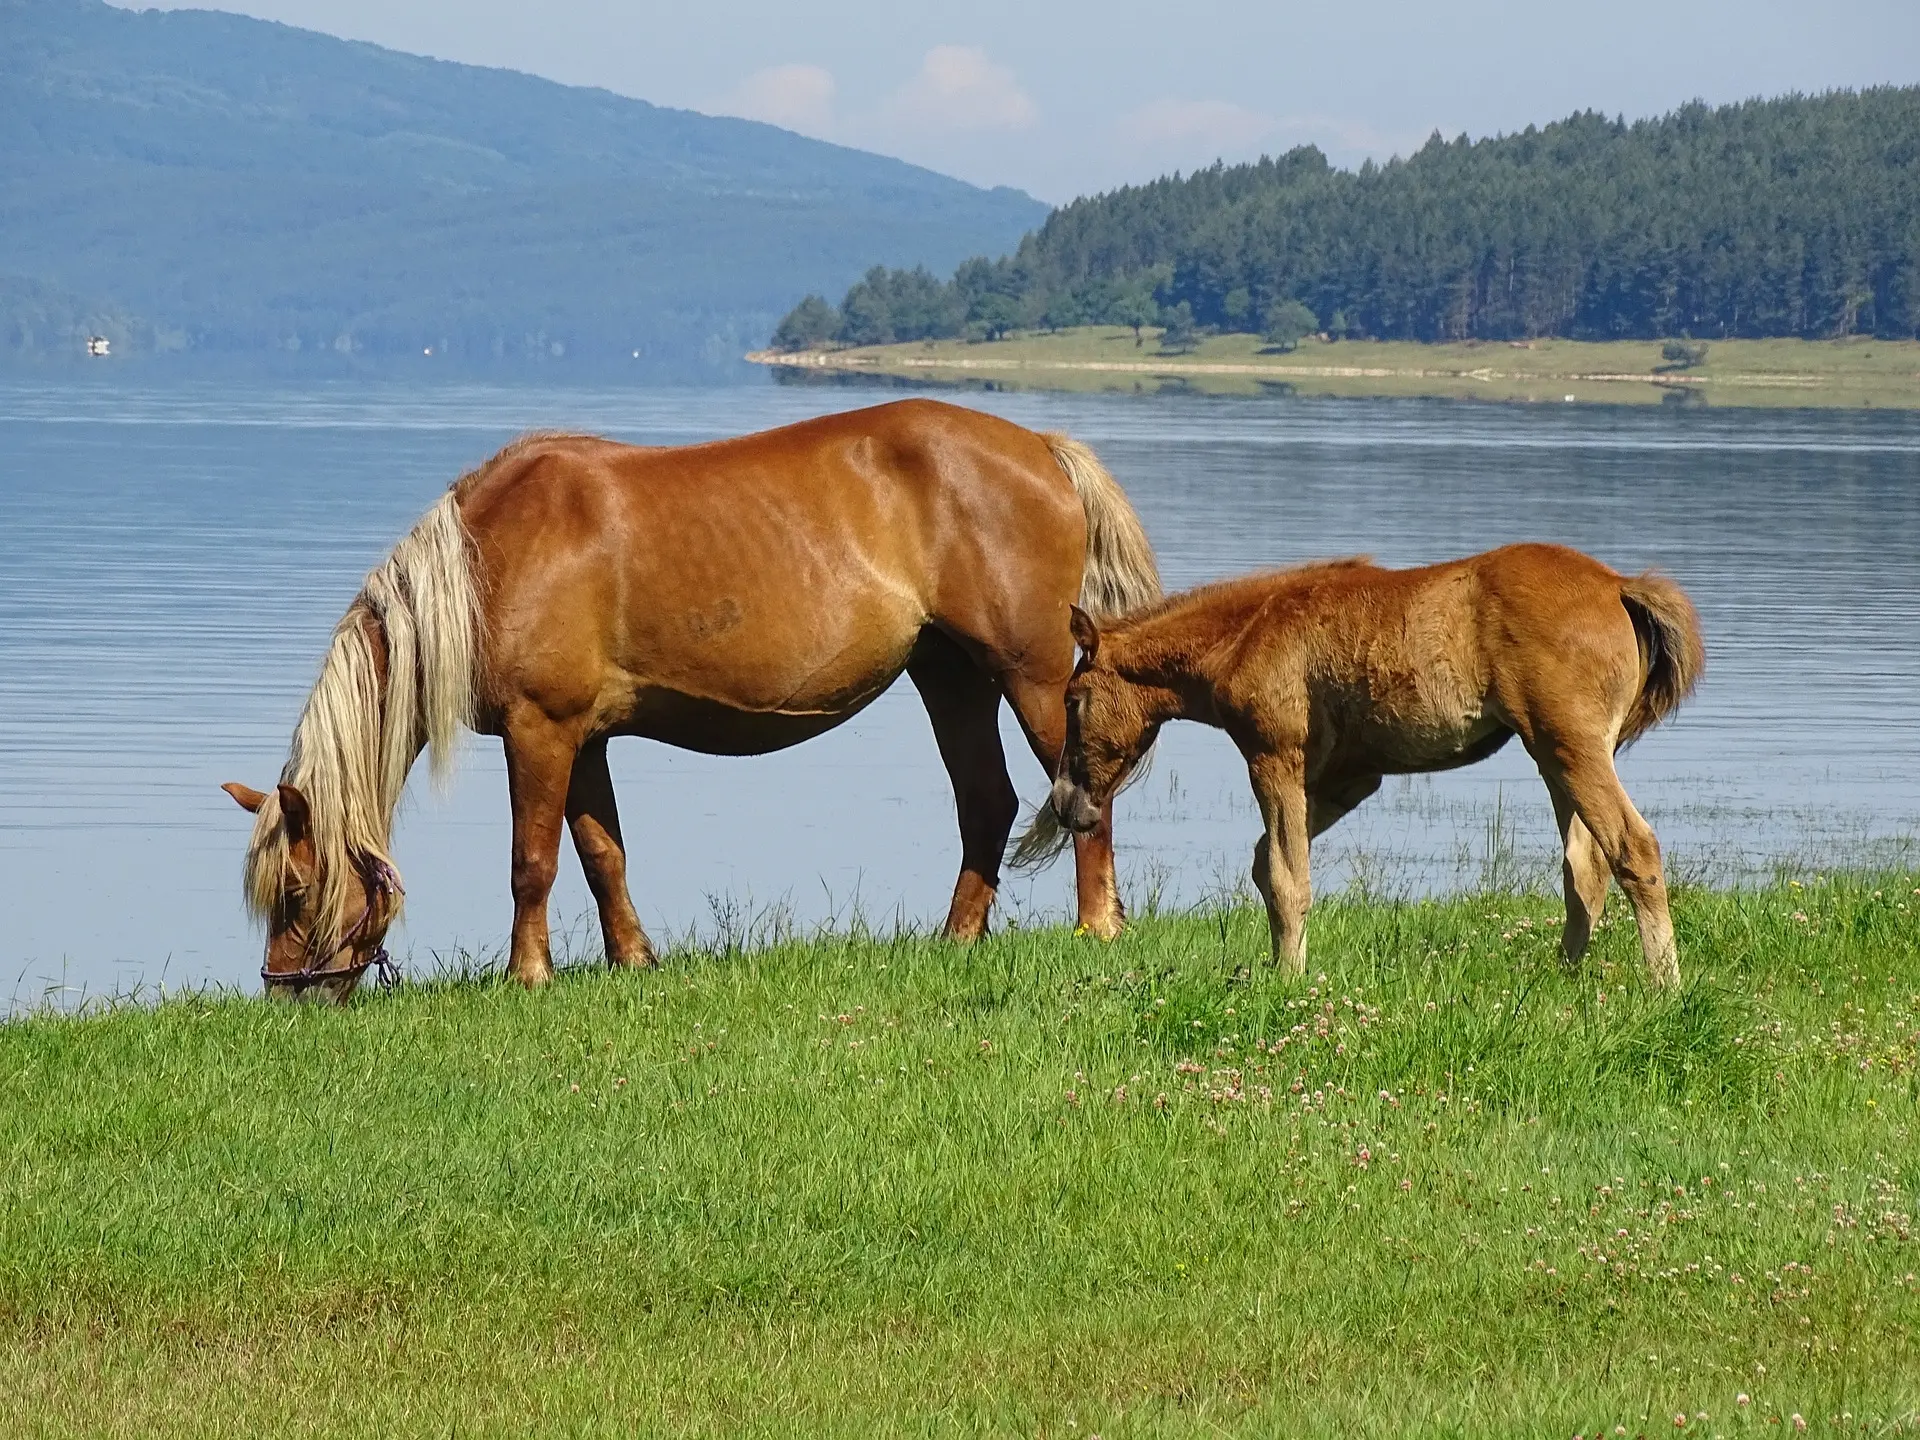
(172, 560)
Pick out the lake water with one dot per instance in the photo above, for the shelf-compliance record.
(172, 560)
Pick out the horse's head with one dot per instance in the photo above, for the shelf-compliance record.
(326, 923)
(1108, 729)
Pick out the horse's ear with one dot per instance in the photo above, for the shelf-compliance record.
(1086, 634)
(245, 796)
(295, 814)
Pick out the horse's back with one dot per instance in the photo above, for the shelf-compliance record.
(888, 482)
(787, 571)
(1415, 667)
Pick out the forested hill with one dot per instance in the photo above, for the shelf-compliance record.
(1791, 217)
(206, 181)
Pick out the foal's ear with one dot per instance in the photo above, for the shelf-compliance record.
(245, 796)
(295, 815)
(1086, 634)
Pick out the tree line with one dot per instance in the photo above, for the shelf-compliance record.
(1796, 216)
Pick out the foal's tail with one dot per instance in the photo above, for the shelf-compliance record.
(1670, 648)
(1120, 573)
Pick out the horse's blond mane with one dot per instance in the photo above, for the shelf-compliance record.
(358, 738)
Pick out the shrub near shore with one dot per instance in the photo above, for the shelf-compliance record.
(1039, 1186)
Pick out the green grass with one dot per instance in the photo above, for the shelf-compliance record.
(1858, 371)
(1042, 1186)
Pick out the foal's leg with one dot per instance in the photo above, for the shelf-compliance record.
(1584, 876)
(539, 769)
(1586, 781)
(1041, 707)
(594, 819)
(963, 703)
(1281, 869)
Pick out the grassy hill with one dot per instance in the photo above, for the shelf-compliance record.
(1041, 1186)
(203, 181)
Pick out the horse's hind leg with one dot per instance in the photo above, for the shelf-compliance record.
(594, 818)
(1585, 780)
(1584, 875)
(963, 702)
(1041, 707)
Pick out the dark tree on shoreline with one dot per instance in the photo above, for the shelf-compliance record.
(812, 322)
(1288, 323)
(1798, 216)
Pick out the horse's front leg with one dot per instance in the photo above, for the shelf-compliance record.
(540, 758)
(1096, 889)
(1040, 706)
(594, 818)
(1280, 858)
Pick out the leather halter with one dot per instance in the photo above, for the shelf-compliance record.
(382, 880)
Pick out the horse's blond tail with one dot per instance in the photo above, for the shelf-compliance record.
(1120, 576)
(1121, 573)
(1671, 649)
(357, 737)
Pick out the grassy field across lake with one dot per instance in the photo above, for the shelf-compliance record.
(1858, 372)
(1042, 1186)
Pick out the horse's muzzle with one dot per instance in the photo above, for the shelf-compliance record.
(1074, 806)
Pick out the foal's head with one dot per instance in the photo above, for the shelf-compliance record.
(1108, 729)
(325, 924)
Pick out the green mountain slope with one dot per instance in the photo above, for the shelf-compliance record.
(225, 184)
(1798, 216)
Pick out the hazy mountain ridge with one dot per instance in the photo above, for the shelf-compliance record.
(244, 185)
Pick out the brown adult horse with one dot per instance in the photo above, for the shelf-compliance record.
(1331, 676)
(734, 598)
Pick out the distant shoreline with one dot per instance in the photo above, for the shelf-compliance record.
(1859, 372)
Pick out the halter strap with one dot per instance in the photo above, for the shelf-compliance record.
(385, 880)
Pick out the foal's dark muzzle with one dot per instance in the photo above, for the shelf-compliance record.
(1074, 806)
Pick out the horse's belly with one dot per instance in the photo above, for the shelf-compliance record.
(712, 727)
(1418, 705)
(1415, 749)
(794, 656)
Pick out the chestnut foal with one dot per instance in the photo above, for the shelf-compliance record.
(734, 598)
(1330, 676)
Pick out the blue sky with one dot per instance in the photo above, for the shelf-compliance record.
(1075, 96)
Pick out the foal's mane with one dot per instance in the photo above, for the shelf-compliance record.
(1258, 587)
(357, 738)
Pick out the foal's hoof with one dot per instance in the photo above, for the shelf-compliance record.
(531, 976)
(641, 959)
(1106, 928)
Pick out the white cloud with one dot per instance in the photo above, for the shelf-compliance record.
(1197, 125)
(794, 97)
(959, 88)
